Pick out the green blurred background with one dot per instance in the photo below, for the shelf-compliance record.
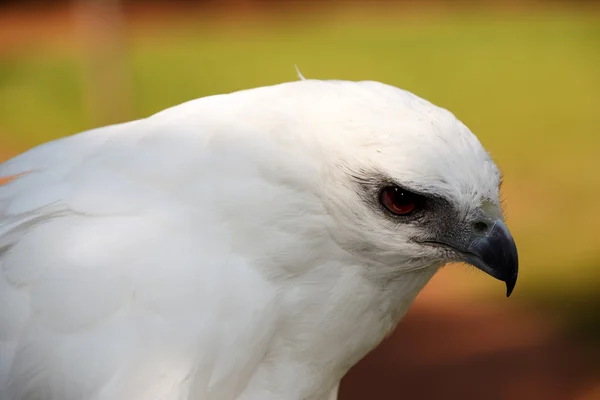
(524, 76)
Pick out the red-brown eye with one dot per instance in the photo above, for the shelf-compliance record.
(398, 201)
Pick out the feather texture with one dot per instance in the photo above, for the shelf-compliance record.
(216, 250)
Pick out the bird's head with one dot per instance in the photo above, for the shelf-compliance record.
(402, 185)
(409, 186)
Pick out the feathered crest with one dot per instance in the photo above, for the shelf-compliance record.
(300, 76)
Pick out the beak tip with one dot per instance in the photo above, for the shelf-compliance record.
(509, 290)
(510, 285)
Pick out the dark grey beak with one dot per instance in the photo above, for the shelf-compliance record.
(496, 255)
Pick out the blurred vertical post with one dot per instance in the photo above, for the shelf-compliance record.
(100, 30)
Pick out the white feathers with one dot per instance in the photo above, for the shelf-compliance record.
(220, 249)
(300, 76)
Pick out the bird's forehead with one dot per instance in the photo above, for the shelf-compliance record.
(427, 148)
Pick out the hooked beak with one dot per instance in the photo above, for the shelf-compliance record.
(496, 254)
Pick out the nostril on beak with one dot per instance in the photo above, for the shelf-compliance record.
(480, 226)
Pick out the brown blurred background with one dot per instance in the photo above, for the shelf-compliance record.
(523, 75)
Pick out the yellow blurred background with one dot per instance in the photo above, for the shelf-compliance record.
(523, 75)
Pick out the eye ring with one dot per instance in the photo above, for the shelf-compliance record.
(399, 201)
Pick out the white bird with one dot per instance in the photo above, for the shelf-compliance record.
(253, 245)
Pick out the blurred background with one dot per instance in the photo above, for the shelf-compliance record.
(523, 75)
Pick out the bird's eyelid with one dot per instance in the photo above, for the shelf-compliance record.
(378, 181)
